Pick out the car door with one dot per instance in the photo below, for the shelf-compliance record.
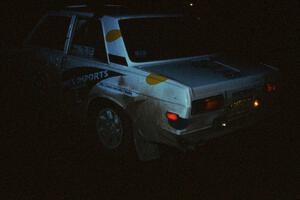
(50, 39)
(47, 46)
(86, 61)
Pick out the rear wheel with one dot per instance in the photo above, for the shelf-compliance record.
(109, 128)
(111, 131)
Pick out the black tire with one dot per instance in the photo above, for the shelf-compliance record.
(125, 151)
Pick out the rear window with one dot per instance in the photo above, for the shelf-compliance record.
(160, 38)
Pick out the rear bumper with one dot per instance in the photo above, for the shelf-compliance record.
(220, 127)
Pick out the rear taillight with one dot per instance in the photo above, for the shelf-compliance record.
(270, 87)
(176, 122)
(207, 104)
(172, 116)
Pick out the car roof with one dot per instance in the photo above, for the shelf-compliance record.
(115, 11)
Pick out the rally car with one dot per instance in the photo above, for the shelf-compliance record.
(139, 81)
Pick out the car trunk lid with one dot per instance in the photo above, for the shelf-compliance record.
(209, 77)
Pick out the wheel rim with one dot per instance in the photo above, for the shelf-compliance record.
(109, 128)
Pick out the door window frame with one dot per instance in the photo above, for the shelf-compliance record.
(76, 17)
(68, 35)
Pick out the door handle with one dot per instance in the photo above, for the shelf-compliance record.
(63, 62)
(60, 61)
(57, 62)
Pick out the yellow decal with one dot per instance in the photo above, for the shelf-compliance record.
(113, 35)
(154, 79)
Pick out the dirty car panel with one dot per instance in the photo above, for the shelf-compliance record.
(179, 98)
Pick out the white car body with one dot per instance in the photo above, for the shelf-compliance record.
(147, 91)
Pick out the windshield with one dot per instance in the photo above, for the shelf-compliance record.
(161, 38)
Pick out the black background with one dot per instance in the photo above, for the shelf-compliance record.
(259, 163)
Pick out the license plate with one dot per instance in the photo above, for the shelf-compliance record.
(240, 105)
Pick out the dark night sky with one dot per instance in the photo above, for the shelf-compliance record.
(243, 166)
(255, 27)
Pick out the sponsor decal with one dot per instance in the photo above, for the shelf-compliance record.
(79, 81)
(122, 90)
(154, 79)
(85, 77)
(113, 35)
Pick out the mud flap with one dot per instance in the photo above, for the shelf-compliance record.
(146, 151)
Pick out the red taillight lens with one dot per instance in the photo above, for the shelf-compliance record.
(172, 116)
(208, 104)
(211, 104)
(270, 87)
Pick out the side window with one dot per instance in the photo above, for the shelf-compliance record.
(51, 33)
(88, 40)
